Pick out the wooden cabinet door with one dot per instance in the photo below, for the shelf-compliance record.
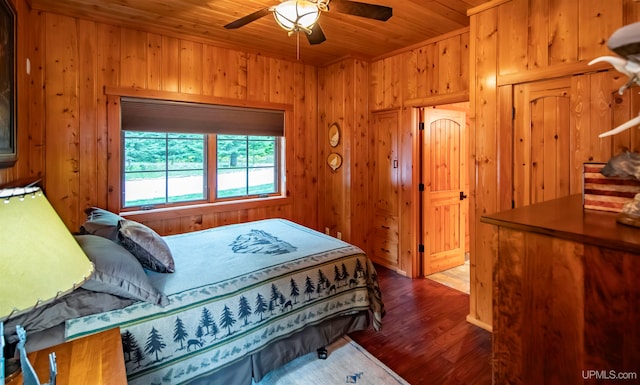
(384, 170)
(541, 141)
(444, 208)
(385, 162)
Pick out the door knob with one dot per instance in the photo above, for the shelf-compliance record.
(462, 196)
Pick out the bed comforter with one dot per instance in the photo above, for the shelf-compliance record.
(236, 289)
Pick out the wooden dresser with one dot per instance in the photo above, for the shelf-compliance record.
(566, 296)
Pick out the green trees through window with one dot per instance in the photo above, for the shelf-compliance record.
(246, 165)
(163, 168)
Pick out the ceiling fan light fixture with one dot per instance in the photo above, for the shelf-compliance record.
(296, 15)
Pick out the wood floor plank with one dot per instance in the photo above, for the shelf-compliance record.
(425, 337)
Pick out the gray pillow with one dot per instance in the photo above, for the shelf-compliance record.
(149, 247)
(117, 272)
(78, 303)
(101, 222)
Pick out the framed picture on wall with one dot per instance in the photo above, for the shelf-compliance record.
(8, 141)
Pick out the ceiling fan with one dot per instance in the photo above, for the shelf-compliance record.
(302, 15)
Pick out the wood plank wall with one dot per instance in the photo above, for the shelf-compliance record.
(515, 43)
(63, 125)
(343, 193)
(434, 72)
(510, 42)
(65, 138)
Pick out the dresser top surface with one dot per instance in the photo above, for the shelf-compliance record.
(565, 218)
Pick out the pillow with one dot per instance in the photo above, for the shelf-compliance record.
(101, 222)
(117, 272)
(149, 247)
(78, 303)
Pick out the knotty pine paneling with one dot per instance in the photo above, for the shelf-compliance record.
(217, 79)
(562, 32)
(343, 200)
(451, 56)
(439, 67)
(538, 40)
(359, 152)
(191, 61)
(333, 202)
(133, 58)
(537, 34)
(631, 11)
(62, 136)
(510, 17)
(431, 73)
(386, 82)
(78, 58)
(31, 125)
(597, 107)
(306, 161)
(88, 94)
(597, 20)
(486, 159)
(170, 71)
(107, 72)
(552, 34)
(408, 155)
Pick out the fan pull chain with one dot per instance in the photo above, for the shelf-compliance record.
(298, 46)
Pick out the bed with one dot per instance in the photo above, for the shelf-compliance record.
(220, 306)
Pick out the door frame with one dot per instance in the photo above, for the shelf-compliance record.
(410, 220)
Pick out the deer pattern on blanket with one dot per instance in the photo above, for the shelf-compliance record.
(192, 340)
(265, 306)
(207, 329)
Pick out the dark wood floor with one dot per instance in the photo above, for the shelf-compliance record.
(424, 336)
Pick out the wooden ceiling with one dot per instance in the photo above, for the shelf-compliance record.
(413, 21)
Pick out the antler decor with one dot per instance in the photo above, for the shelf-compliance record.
(625, 42)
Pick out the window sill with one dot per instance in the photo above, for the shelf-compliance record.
(199, 209)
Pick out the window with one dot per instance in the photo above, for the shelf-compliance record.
(186, 153)
(162, 168)
(246, 166)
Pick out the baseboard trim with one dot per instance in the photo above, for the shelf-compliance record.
(480, 324)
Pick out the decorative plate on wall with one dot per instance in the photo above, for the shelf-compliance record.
(334, 134)
(334, 160)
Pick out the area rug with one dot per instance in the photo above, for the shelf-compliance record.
(348, 363)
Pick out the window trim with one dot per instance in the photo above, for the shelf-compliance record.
(114, 158)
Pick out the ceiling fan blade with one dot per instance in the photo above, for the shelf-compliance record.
(370, 11)
(316, 36)
(248, 19)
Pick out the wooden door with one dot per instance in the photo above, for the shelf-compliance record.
(444, 207)
(541, 141)
(385, 162)
(384, 192)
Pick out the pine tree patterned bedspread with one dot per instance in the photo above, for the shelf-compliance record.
(236, 288)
